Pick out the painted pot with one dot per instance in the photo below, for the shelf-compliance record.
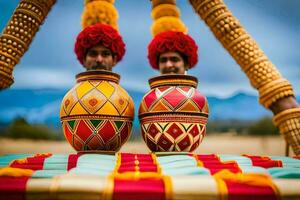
(97, 113)
(173, 114)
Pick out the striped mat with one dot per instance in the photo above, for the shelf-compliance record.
(148, 176)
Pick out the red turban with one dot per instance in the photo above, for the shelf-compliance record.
(99, 34)
(172, 41)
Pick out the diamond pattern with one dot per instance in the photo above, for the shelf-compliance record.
(114, 143)
(106, 89)
(67, 132)
(119, 100)
(69, 101)
(108, 109)
(97, 134)
(194, 131)
(94, 143)
(164, 143)
(174, 98)
(93, 101)
(189, 106)
(170, 111)
(93, 112)
(83, 89)
(174, 131)
(124, 133)
(107, 131)
(184, 143)
(77, 143)
(85, 130)
(199, 99)
(150, 98)
(172, 136)
(153, 130)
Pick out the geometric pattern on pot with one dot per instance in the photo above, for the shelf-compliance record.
(97, 98)
(173, 114)
(173, 136)
(174, 99)
(173, 132)
(96, 134)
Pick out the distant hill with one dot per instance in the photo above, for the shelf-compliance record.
(42, 106)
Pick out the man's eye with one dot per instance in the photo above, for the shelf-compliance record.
(163, 60)
(92, 53)
(106, 53)
(174, 59)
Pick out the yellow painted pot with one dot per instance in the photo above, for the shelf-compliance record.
(97, 113)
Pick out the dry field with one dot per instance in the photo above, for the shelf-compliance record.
(220, 144)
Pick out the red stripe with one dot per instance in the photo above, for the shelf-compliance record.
(144, 189)
(137, 162)
(237, 191)
(72, 161)
(13, 188)
(297, 157)
(33, 163)
(213, 163)
(264, 161)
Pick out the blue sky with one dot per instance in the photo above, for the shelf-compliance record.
(51, 63)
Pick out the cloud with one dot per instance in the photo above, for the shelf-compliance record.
(50, 61)
(37, 78)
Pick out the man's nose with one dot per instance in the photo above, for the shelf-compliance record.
(99, 58)
(169, 63)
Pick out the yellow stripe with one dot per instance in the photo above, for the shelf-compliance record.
(15, 172)
(168, 187)
(118, 164)
(199, 162)
(154, 157)
(260, 180)
(109, 188)
(222, 188)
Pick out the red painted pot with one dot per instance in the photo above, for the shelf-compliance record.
(173, 114)
(97, 113)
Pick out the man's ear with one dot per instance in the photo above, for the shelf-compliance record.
(114, 60)
(186, 67)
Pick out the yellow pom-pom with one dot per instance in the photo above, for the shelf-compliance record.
(89, 1)
(158, 2)
(168, 24)
(164, 10)
(100, 12)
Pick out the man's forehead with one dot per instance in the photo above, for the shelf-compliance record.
(99, 47)
(170, 54)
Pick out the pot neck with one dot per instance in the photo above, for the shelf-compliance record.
(173, 80)
(101, 75)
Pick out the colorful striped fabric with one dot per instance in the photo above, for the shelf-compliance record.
(148, 176)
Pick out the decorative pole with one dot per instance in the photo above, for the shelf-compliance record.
(18, 34)
(99, 11)
(275, 92)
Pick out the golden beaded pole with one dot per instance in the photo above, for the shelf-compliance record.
(272, 87)
(18, 34)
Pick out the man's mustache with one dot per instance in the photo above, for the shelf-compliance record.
(99, 65)
(170, 70)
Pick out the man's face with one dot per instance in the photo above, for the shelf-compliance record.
(171, 63)
(99, 57)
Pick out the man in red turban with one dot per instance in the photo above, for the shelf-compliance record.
(172, 52)
(99, 46)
